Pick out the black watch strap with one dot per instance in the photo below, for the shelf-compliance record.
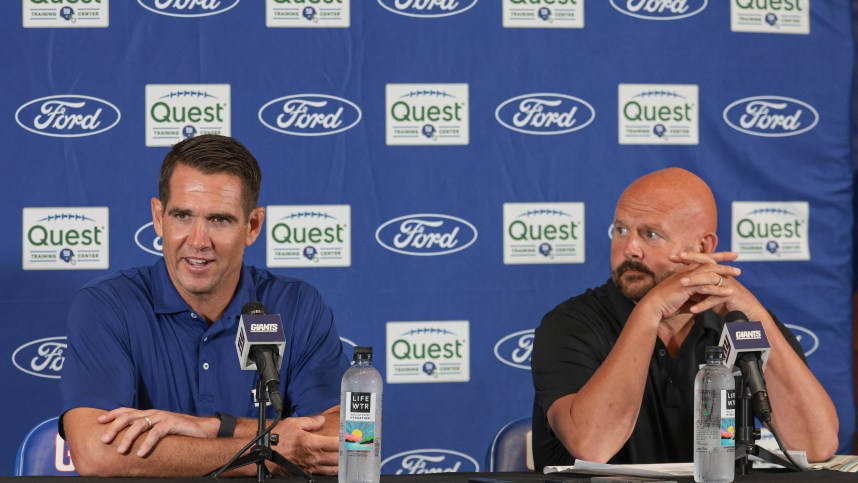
(227, 425)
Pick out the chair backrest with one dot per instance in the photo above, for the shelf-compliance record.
(512, 448)
(44, 453)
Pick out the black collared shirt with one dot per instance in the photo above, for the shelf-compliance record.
(576, 337)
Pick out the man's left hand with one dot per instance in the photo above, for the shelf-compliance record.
(156, 424)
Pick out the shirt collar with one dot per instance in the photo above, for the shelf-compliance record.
(167, 299)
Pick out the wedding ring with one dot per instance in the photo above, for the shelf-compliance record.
(720, 281)
(148, 421)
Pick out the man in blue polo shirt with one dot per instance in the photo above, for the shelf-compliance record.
(151, 385)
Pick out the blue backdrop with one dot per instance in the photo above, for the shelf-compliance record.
(444, 171)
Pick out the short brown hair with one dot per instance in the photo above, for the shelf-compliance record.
(211, 154)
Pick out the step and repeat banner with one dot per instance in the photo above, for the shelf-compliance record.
(444, 171)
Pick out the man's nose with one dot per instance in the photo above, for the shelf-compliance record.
(199, 237)
(632, 247)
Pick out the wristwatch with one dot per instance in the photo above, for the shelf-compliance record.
(227, 425)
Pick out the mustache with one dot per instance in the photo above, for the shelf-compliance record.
(632, 265)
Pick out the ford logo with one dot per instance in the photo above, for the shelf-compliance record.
(427, 8)
(545, 113)
(310, 115)
(808, 340)
(42, 358)
(426, 234)
(188, 8)
(67, 116)
(514, 350)
(149, 241)
(771, 116)
(660, 9)
(421, 461)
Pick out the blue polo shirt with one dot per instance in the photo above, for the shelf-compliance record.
(134, 342)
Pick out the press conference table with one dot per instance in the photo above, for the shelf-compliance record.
(760, 475)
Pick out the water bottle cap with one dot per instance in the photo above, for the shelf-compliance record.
(714, 352)
(363, 353)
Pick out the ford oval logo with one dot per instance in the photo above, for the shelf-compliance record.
(67, 116)
(310, 115)
(426, 234)
(188, 8)
(771, 116)
(808, 340)
(515, 349)
(421, 461)
(42, 358)
(427, 8)
(545, 113)
(148, 240)
(660, 9)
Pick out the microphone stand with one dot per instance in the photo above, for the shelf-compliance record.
(262, 451)
(747, 433)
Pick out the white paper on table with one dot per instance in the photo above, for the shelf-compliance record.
(658, 470)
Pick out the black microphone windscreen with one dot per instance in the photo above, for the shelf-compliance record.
(736, 316)
(254, 307)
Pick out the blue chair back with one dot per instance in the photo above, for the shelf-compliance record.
(44, 453)
(512, 448)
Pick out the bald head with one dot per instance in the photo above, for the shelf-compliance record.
(675, 190)
(660, 215)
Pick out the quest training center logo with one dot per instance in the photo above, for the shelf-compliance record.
(515, 349)
(770, 16)
(310, 115)
(543, 233)
(427, 114)
(545, 114)
(771, 231)
(179, 111)
(188, 8)
(65, 238)
(429, 460)
(41, 358)
(66, 13)
(431, 351)
(308, 236)
(658, 114)
(307, 13)
(660, 9)
(567, 14)
(67, 116)
(427, 8)
(771, 116)
(426, 234)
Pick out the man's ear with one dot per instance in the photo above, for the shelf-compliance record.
(709, 243)
(254, 223)
(157, 216)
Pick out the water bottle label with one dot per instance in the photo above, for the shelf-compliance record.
(728, 418)
(359, 430)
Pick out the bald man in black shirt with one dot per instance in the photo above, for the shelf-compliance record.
(614, 368)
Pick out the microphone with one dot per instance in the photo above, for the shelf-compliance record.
(260, 342)
(746, 349)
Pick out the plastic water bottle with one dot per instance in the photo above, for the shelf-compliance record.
(360, 421)
(714, 420)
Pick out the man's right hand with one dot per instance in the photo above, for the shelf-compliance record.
(316, 453)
